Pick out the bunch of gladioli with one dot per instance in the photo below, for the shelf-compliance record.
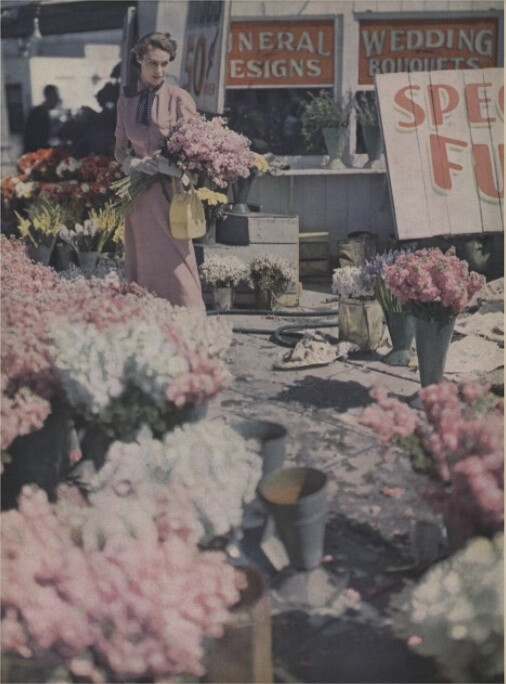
(350, 283)
(223, 271)
(217, 467)
(209, 149)
(458, 439)
(118, 590)
(455, 613)
(432, 284)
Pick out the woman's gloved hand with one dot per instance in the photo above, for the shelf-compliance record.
(168, 168)
(147, 165)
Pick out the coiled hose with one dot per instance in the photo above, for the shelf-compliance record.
(286, 335)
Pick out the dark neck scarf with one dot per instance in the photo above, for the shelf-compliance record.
(145, 104)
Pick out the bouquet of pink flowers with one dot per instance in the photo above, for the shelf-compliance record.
(209, 149)
(458, 440)
(432, 284)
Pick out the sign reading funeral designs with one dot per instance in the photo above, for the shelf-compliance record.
(444, 146)
(281, 53)
(391, 46)
(204, 53)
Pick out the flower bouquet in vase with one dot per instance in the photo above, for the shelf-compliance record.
(325, 118)
(41, 226)
(400, 322)
(222, 273)
(89, 238)
(242, 186)
(270, 276)
(360, 314)
(214, 208)
(457, 440)
(435, 287)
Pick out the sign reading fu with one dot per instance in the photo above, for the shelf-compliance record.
(281, 53)
(388, 47)
(444, 146)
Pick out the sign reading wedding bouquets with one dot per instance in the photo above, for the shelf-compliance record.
(203, 63)
(444, 147)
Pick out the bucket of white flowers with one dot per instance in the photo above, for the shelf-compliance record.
(89, 238)
(222, 273)
(360, 313)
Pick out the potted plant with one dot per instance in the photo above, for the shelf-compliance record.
(366, 111)
(222, 273)
(435, 287)
(325, 116)
(270, 276)
(400, 323)
(241, 186)
(41, 226)
(360, 314)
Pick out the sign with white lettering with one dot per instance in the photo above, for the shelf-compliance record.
(204, 53)
(444, 148)
(281, 53)
(392, 46)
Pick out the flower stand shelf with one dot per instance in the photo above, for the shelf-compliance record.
(257, 228)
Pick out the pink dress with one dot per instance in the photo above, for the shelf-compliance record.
(164, 266)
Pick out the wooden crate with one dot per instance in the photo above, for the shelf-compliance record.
(314, 255)
(257, 228)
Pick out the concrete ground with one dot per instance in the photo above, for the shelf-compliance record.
(380, 533)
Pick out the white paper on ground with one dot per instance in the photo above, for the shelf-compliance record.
(473, 354)
(489, 325)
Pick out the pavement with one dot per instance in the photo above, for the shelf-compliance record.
(380, 534)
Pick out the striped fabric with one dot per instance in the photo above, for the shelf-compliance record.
(146, 99)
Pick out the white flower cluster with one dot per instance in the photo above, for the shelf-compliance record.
(218, 468)
(456, 612)
(349, 283)
(96, 367)
(212, 333)
(274, 265)
(67, 167)
(83, 236)
(24, 190)
(223, 271)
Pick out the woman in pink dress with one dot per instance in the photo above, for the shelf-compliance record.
(153, 258)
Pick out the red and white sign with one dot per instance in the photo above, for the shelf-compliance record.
(204, 53)
(444, 146)
(392, 46)
(281, 53)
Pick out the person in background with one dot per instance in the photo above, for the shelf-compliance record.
(145, 112)
(38, 125)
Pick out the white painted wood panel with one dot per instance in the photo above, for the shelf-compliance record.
(429, 152)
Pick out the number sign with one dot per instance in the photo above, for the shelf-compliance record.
(444, 147)
(204, 53)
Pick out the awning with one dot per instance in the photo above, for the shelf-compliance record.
(63, 17)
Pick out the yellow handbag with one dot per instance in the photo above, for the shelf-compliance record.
(187, 219)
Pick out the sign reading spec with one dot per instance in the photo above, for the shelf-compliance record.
(444, 145)
(281, 53)
(203, 63)
(390, 46)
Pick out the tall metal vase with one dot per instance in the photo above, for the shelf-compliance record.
(401, 327)
(432, 341)
(240, 191)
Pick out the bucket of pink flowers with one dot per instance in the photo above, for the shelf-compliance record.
(435, 287)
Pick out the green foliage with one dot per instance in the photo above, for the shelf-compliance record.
(43, 221)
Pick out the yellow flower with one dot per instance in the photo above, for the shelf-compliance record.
(260, 163)
(212, 198)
